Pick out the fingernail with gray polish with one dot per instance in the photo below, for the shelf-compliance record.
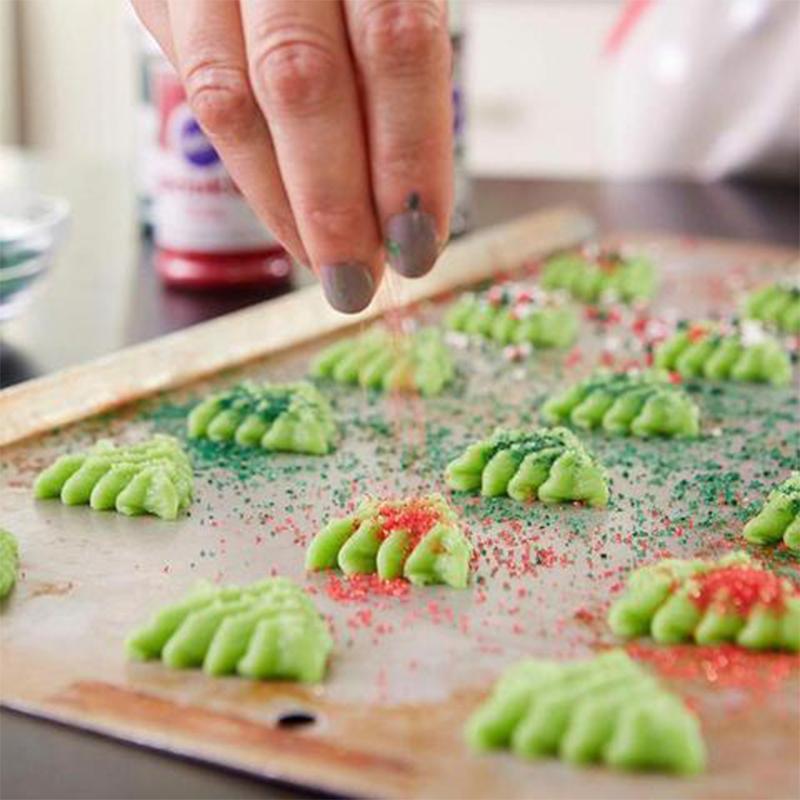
(348, 285)
(411, 242)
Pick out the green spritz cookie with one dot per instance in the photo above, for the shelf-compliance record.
(777, 304)
(608, 275)
(151, 477)
(415, 362)
(268, 630)
(725, 352)
(288, 417)
(779, 518)
(635, 402)
(9, 562)
(418, 539)
(549, 463)
(514, 314)
(606, 709)
(709, 602)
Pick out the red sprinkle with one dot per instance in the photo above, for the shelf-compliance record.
(639, 326)
(609, 262)
(724, 665)
(416, 517)
(495, 295)
(740, 589)
(575, 356)
(360, 588)
(546, 557)
(697, 333)
(584, 615)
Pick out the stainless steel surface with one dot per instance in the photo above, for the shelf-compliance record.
(117, 768)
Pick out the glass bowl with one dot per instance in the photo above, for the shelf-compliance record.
(31, 227)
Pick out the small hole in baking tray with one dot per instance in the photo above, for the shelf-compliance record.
(295, 719)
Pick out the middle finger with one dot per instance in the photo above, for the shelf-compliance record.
(305, 84)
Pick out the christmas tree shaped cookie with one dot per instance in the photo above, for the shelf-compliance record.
(638, 403)
(607, 709)
(151, 477)
(777, 304)
(779, 518)
(9, 562)
(414, 362)
(289, 417)
(417, 538)
(731, 600)
(717, 351)
(550, 464)
(268, 630)
(608, 275)
(514, 314)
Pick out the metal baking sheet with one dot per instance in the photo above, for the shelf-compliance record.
(410, 665)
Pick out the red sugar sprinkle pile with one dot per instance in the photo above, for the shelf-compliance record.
(416, 517)
(697, 333)
(360, 588)
(740, 589)
(609, 262)
(575, 356)
(723, 665)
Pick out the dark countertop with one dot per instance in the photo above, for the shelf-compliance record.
(103, 294)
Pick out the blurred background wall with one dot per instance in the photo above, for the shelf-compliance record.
(74, 65)
(544, 96)
(9, 115)
(532, 80)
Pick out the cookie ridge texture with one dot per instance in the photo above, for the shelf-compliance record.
(548, 464)
(150, 477)
(734, 599)
(268, 630)
(9, 562)
(607, 709)
(722, 352)
(409, 362)
(777, 304)
(514, 313)
(779, 518)
(285, 417)
(639, 403)
(604, 275)
(416, 538)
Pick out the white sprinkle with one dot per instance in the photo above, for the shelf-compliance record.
(612, 343)
(753, 333)
(458, 340)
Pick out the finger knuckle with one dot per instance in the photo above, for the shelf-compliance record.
(404, 35)
(220, 98)
(336, 222)
(295, 69)
(416, 159)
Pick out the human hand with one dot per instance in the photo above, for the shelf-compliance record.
(334, 119)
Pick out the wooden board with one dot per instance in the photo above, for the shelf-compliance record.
(39, 405)
(408, 670)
